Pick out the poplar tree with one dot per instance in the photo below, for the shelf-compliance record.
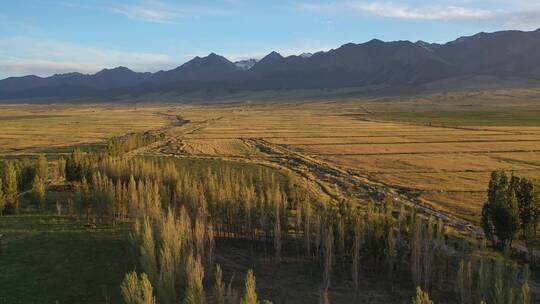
(498, 284)
(277, 230)
(2, 197)
(42, 168)
(137, 289)
(500, 214)
(167, 276)
(10, 187)
(356, 253)
(250, 294)
(421, 297)
(464, 281)
(219, 289)
(416, 252)
(307, 227)
(529, 207)
(391, 253)
(525, 296)
(61, 168)
(148, 251)
(483, 283)
(38, 192)
(194, 281)
(328, 256)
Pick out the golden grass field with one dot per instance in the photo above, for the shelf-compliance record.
(445, 157)
(440, 147)
(25, 129)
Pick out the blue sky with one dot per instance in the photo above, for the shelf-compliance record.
(44, 37)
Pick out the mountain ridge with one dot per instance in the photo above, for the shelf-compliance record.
(373, 63)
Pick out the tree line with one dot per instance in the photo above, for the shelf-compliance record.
(21, 175)
(118, 146)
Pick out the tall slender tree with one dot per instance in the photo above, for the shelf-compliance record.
(61, 169)
(525, 295)
(356, 252)
(11, 191)
(328, 245)
(148, 252)
(137, 289)
(250, 294)
(194, 281)
(219, 288)
(167, 276)
(42, 168)
(421, 297)
(38, 192)
(2, 197)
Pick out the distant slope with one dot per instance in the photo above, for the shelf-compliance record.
(488, 57)
(71, 84)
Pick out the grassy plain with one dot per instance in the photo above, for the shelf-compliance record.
(465, 118)
(50, 259)
(26, 129)
(441, 147)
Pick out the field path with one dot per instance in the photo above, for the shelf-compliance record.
(351, 183)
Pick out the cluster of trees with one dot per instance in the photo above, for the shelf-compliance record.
(177, 211)
(513, 207)
(131, 188)
(493, 281)
(173, 253)
(180, 208)
(80, 165)
(118, 146)
(401, 242)
(21, 175)
(174, 250)
(137, 289)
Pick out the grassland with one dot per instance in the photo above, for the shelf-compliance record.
(441, 151)
(439, 148)
(29, 129)
(465, 118)
(50, 259)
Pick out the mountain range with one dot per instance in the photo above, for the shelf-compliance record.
(501, 55)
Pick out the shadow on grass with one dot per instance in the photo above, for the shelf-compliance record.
(49, 259)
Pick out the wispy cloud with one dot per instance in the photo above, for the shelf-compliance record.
(157, 11)
(522, 14)
(152, 11)
(23, 55)
(391, 10)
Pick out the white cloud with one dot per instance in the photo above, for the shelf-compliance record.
(522, 14)
(428, 13)
(152, 11)
(22, 56)
(156, 11)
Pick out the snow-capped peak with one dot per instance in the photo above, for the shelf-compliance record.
(245, 64)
